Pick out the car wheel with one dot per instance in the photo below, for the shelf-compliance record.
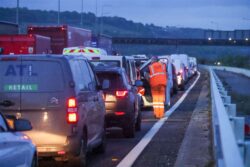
(129, 129)
(81, 160)
(138, 122)
(182, 87)
(102, 147)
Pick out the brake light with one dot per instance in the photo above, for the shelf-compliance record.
(119, 113)
(72, 114)
(121, 93)
(247, 129)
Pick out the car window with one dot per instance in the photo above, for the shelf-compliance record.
(133, 69)
(106, 63)
(92, 75)
(87, 75)
(80, 75)
(3, 126)
(30, 76)
(116, 80)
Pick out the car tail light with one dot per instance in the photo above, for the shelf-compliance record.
(119, 113)
(247, 129)
(121, 93)
(72, 114)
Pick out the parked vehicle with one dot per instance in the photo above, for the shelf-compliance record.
(193, 65)
(63, 36)
(64, 104)
(185, 61)
(175, 84)
(85, 51)
(24, 44)
(180, 73)
(121, 100)
(100, 60)
(16, 148)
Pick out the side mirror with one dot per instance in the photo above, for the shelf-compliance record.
(105, 84)
(138, 83)
(22, 125)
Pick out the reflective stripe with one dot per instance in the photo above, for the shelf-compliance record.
(158, 103)
(159, 73)
(158, 106)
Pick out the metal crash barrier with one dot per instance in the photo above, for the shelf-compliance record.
(230, 147)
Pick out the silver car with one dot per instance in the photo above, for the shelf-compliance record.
(16, 149)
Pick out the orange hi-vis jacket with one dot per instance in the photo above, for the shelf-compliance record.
(157, 74)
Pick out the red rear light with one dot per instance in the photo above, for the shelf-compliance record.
(72, 114)
(71, 103)
(121, 93)
(247, 129)
(119, 113)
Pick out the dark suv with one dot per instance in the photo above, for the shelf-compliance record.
(63, 100)
(121, 100)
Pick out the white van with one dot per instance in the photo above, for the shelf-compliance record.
(193, 65)
(99, 57)
(185, 61)
(180, 75)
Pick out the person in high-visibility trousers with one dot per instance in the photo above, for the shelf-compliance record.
(158, 82)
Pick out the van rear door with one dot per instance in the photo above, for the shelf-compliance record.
(38, 88)
(10, 79)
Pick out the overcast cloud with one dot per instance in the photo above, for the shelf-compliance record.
(215, 14)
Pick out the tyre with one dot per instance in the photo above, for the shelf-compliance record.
(129, 128)
(81, 159)
(102, 147)
(138, 122)
(34, 161)
(182, 87)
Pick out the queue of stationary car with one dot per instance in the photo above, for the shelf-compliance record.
(71, 99)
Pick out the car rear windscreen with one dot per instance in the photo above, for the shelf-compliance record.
(105, 63)
(31, 76)
(115, 79)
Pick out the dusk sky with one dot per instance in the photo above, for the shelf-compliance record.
(214, 14)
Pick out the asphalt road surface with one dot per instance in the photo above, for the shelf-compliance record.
(164, 147)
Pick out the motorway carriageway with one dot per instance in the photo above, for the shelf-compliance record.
(157, 146)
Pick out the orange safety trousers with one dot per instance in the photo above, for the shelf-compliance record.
(158, 94)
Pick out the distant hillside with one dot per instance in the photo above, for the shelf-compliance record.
(113, 26)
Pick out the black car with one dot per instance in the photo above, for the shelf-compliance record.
(122, 102)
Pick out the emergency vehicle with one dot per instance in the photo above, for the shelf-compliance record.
(99, 58)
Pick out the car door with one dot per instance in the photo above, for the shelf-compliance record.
(98, 102)
(11, 70)
(95, 115)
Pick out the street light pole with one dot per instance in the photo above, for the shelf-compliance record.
(96, 19)
(82, 14)
(17, 15)
(58, 14)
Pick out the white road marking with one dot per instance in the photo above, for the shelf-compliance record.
(131, 157)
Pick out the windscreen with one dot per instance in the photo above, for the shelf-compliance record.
(115, 79)
(106, 63)
(30, 76)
